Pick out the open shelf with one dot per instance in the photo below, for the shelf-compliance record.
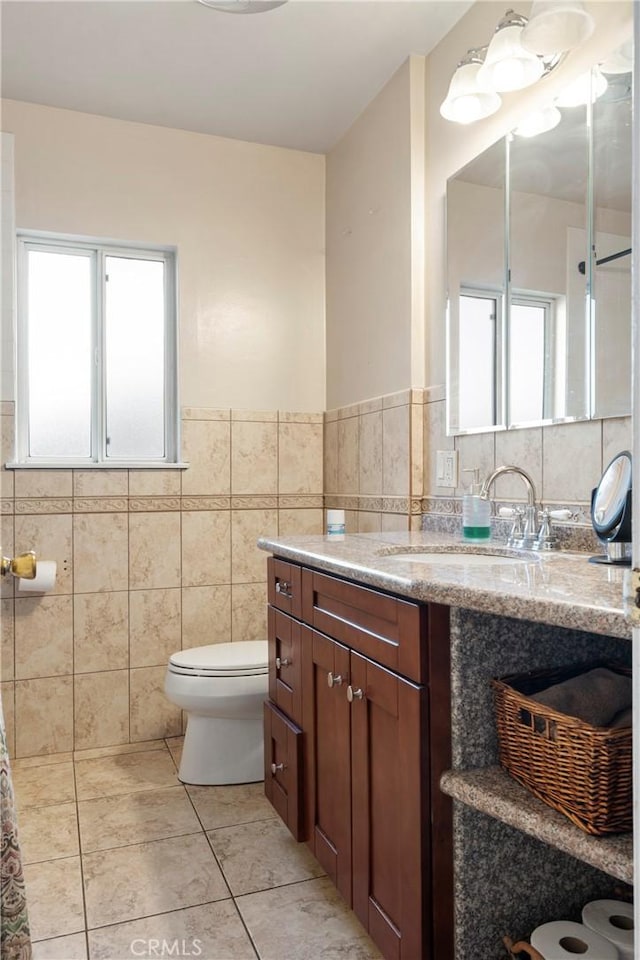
(492, 791)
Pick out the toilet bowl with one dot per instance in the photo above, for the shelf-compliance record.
(221, 687)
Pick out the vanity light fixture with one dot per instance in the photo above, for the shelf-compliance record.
(485, 72)
(466, 102)
(555, 26)
(538, 121)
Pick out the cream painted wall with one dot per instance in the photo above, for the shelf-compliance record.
(450, 146)
(371, 200)
(248, 222)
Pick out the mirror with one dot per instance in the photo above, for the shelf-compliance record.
(611, 510)
(538, 325)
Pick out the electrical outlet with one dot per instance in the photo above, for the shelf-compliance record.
(446, 468)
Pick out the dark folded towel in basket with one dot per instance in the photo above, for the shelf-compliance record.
(595, 697)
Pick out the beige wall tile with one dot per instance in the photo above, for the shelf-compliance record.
(249, 611)
(101, 631)
(8, 711)
(101, 709)
(331, 456)
(6, 640)
(51, 538)
(351, 521)
(417, 449)
(572, 460)
(154, 550)
(206, 447)
(100, 483)
(151, 714)
(206, 547)
(248, 563)
(100, 552)
(395, 451)
(616, 437)
(435, 438)
(44, 716)
(206, 615)
(475, 450)
(369, 522)
(370, 445)
(43, 483)
(256, 416)
(7, 588)
(7, 485)
(521, 448)
(300, 466)
(155, 483)
(155, 627)
(300, 521)
(44, 637)
(205, 413)
(348, 456)
(254, 458)
(390, 522)
(286, 416)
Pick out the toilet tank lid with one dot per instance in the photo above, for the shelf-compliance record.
(242, 655)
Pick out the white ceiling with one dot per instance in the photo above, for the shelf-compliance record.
(296, 76)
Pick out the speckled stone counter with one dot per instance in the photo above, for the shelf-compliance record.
(558, 588)
(517, 863)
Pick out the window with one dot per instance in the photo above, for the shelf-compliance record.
(529, 358)
(478, 349)
(96, 353)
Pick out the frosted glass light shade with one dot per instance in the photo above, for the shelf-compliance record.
(587, 87)
(507, 65)
(465, 102)
(539, 121)
(555, 26)
(620, 61)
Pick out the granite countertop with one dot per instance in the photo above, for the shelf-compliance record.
(559, 588)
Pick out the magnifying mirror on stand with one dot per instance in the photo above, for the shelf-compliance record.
(611, 511)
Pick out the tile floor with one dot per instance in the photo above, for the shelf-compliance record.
(122, 861)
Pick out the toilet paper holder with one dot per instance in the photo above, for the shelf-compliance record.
(23, 566)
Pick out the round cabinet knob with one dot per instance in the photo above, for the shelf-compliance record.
(275, 767)
(334, 679)
(354, 694)
(282, 663)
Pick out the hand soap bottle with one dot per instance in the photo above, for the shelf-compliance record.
(476, 512)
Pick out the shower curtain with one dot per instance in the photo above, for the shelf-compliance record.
(15, 942)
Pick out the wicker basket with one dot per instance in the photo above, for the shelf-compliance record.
(582, 771)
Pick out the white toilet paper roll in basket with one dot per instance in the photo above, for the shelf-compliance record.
(612, 919)
(565, 940)
(44, 580)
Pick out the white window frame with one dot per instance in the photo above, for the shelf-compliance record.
(98, 249)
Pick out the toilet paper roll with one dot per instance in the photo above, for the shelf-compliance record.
(44, 579)
(563, 939)
(613, 920)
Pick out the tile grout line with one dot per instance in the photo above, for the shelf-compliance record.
(84, 898)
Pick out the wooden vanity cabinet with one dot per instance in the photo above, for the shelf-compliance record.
(374, 743)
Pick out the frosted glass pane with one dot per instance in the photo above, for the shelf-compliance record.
(526, 363)
(477, 325)
(134, 344)
(59, 354)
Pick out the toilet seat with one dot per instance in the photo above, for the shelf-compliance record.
(248, 658)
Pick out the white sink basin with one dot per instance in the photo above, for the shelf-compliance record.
(446, 559)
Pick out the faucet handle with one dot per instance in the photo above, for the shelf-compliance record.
(546, 539)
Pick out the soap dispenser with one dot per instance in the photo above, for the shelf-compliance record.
(476, 512)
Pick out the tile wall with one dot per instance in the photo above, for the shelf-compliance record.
(373, 462)
(149, 561)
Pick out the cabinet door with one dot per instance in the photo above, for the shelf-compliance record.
(285, 668)
(283, 768)
(327, 755)
(390, 803)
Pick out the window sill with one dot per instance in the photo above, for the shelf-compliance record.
(83, 465)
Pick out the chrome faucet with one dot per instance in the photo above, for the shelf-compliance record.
(523, 536)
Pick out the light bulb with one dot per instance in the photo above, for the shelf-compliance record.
(507, 65)
(465, 102)
(539, 121)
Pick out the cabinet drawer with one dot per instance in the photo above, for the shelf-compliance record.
(284, 581)
(283, 768)
(285, 676)
(388, 630)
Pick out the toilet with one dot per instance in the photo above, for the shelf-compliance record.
(222, 688)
